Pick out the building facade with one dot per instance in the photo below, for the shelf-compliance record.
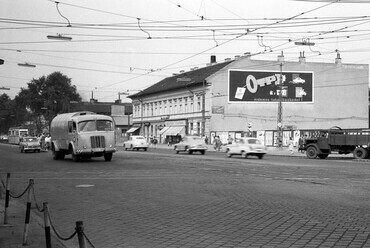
(242, 97)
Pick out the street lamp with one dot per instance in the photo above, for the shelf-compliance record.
(26, 65)
(280, 105)
(59, 37)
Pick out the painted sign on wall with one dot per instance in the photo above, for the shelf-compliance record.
(264, 86)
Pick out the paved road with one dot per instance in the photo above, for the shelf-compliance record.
(160, 199)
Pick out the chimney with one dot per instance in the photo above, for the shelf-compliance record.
(302, 58)
(213, 59)
(338, 59)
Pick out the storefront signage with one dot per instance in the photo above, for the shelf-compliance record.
(165, 117)
(175, 123)
(218, 110)
(264, 86)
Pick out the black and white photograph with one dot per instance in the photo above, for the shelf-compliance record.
(184, 124)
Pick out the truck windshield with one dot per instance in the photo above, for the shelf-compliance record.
(95, 125)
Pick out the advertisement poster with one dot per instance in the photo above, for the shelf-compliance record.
(264, 86)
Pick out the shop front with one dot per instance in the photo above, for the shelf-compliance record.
(172, 132)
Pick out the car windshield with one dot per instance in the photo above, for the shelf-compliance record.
(254, 141)
(139, 138)
(30, 139)
(95, 125)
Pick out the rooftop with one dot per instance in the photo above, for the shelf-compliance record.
(182, 80)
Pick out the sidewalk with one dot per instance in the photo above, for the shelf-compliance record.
(11, 234)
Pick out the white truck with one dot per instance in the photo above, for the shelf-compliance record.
(84, 135)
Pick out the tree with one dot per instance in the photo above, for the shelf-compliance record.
(46, 97)
(6, 113)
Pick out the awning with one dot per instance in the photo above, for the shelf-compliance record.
(133, 129)
(163, 130)
(173, 131)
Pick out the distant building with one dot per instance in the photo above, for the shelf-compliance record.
(121, 112)
(241, 97)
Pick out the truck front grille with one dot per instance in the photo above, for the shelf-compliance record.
(97, 141)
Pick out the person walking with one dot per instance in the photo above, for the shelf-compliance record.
(300, 144)
(291, 146)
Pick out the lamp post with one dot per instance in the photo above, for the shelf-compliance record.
(59, 37)
(280, 105)
(26, 65)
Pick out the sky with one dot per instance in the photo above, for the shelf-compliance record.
(122, 46)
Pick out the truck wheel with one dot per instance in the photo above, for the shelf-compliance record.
(311, 152)
(108, 156)
(360, 153)
(76, 157)
(56, 154)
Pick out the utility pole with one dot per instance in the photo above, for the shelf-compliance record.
(203, 109)
(280, 105)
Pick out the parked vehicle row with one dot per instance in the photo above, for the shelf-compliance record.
(243, 147)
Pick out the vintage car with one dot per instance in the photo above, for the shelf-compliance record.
(191, 144)
(29, 144)
(136, 142)
(245, 147)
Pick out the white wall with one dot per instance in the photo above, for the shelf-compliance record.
(340, 98)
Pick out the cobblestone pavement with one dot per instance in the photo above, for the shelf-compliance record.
(141, 199)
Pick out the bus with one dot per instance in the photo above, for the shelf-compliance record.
(15, 133)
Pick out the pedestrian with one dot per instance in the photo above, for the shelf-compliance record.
(300, 144)
(155, 142)
(230, 140)
(217, 143)
(206, 140)
(291, 146)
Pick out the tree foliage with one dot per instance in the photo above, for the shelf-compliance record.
(47, 97)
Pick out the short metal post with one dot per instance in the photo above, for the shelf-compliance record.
(80, 234)
(7, 197)
(1, 192)
(47, 225)
(28, 213)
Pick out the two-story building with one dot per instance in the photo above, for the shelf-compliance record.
(241, 96)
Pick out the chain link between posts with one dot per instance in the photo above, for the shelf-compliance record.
(31, 187)
(57, 233)
(88, 240)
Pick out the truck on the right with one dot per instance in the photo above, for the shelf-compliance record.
(341, 141)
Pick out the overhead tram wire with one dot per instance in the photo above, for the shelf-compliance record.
(225, 42)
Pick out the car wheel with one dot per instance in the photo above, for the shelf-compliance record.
(244, 154)
(188, 150)
(145, 149)
(202, 152)
(108, 156)
(260, 156)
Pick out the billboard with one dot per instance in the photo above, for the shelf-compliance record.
(264, 86)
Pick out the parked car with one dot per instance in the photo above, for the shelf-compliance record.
(29, 144)
(136, 142)
(191, 144)
(4, 137)
(245, 147)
